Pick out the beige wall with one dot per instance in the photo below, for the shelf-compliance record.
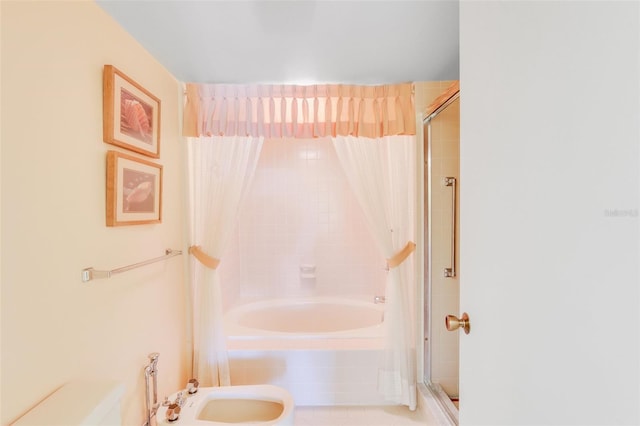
(54, 327)
(425, 93)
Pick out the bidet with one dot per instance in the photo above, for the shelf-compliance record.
(267, 405)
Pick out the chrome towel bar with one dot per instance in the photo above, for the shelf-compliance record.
(451, 272)
(89, 274)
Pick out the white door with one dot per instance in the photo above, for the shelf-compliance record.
(549, 212)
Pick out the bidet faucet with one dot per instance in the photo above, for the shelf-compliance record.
(151, 374)
(181, 399)
(173, 408)
(192, 386)
(173, 412)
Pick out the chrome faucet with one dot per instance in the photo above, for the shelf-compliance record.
(173, 412)
(151, 374)
(173, 408)
(192, 386)
(181, 399)
(379, 299)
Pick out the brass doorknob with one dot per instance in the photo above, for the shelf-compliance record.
(453, 323)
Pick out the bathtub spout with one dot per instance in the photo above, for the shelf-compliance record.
(379, 299)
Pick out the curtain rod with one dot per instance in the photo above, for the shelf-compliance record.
(413, 85)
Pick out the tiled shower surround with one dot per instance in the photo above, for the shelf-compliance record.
(300, 211)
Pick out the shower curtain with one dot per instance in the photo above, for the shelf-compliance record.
(381, 173)
(373, 129)
(221, 169)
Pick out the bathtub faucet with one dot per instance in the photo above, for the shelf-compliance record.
(379, 299)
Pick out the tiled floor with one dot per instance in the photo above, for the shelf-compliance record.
(360, 416)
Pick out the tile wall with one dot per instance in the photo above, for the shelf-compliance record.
(301, 211)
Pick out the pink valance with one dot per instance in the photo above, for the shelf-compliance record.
(299, 111)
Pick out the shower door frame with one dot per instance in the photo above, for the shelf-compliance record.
(435, 389)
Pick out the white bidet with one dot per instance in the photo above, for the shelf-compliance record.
(266, 405)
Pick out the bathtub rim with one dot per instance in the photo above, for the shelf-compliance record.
(235, 331)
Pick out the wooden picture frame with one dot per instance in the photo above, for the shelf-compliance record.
(134, 190)
(131, 114)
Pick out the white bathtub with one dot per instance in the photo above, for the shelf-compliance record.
(306, 318)
(324, 351)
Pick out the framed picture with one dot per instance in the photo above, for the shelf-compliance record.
(131, 114)
(134, 190)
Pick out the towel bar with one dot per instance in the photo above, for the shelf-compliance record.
(89, 274)
(451, 272)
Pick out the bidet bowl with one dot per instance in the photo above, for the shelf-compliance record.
(240, 410)
(266, 405)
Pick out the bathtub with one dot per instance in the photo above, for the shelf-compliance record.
(306, 318)
(324, 351)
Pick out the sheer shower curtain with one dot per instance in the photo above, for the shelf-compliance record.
(364, 120)
(381, 173)
(221, 169)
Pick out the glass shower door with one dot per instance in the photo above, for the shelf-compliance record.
(441, 287)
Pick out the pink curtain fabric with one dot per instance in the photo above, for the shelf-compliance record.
(299, 111)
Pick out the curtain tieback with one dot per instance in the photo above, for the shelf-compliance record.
(204, 258)
(402, 255)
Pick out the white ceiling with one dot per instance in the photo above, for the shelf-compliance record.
(302, 42)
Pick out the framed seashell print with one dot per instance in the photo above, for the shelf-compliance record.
(131, 114)
(134, 190)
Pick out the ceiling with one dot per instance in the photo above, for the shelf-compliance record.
(296, 42)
